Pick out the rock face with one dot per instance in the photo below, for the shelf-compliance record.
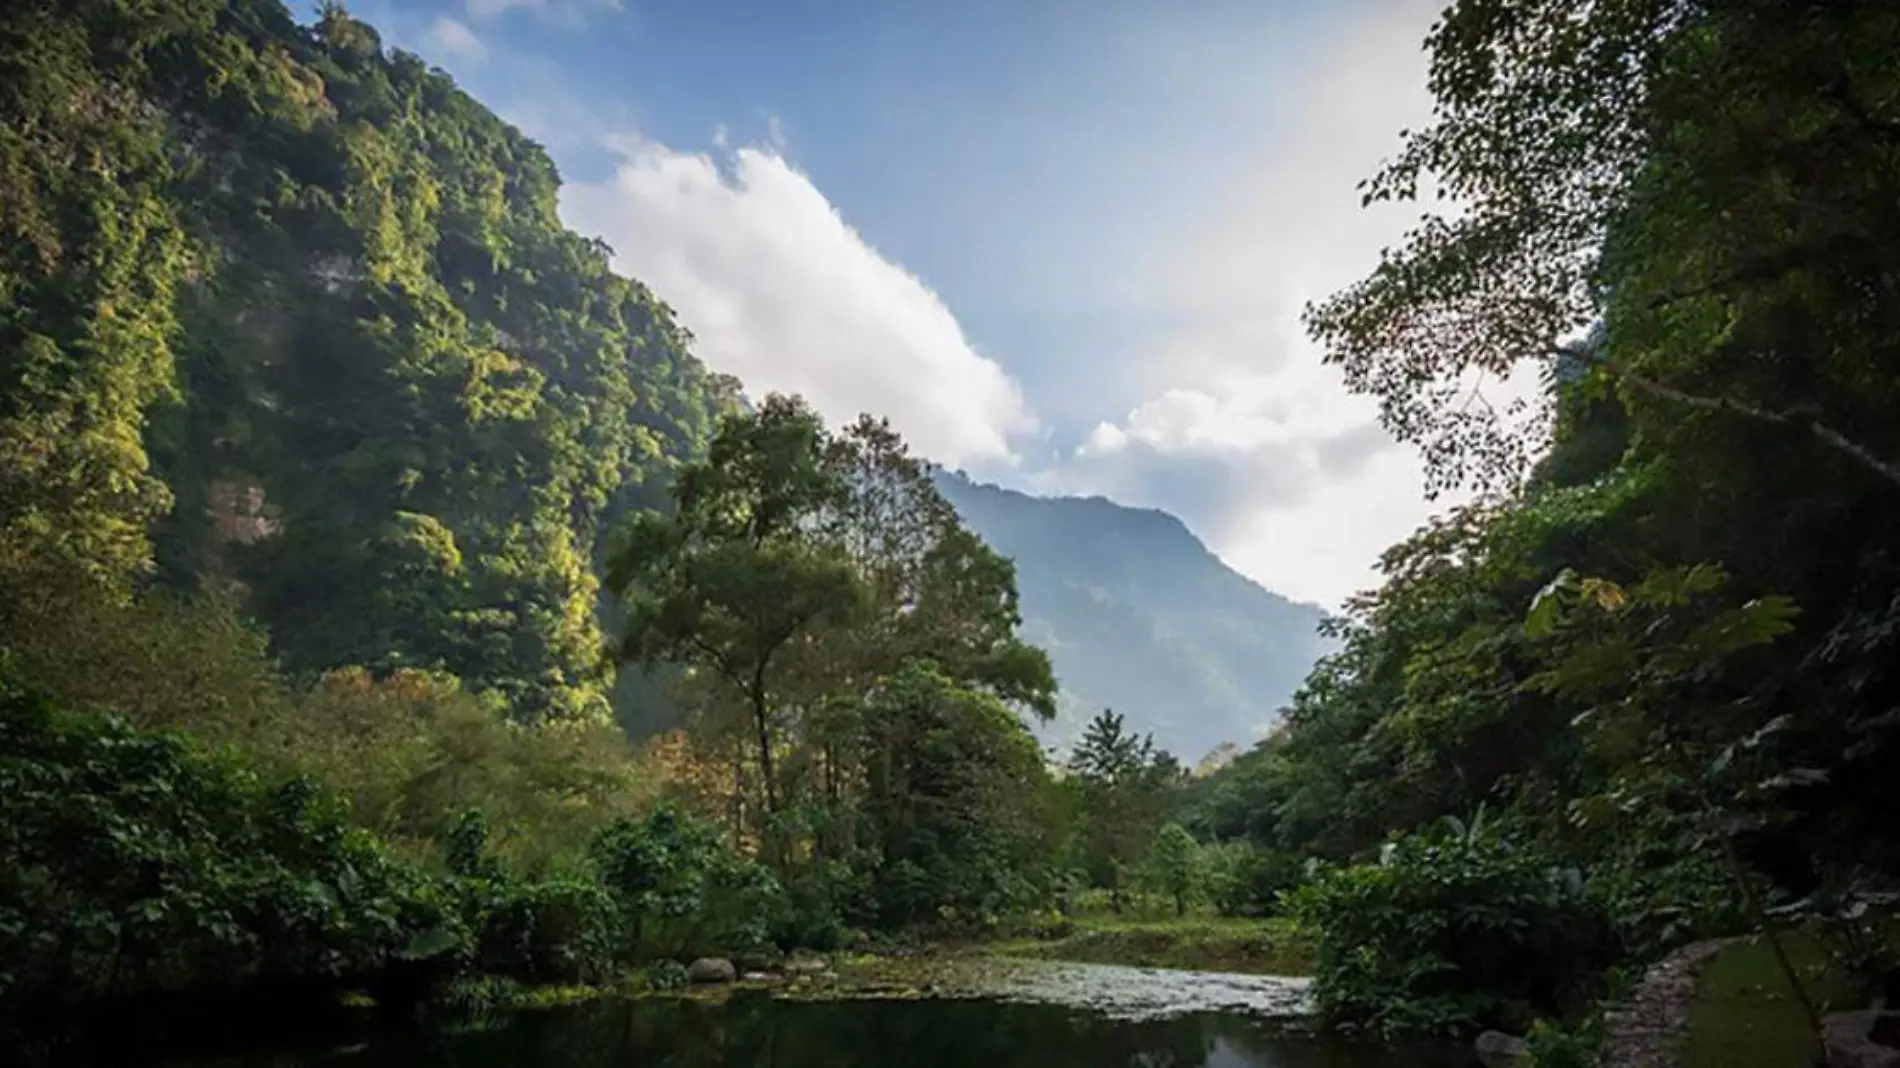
(1852, 1039)
(1499, 1050)
(711, 970)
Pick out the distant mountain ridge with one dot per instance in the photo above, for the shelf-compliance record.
(1140, 616)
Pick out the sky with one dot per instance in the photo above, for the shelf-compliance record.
(1062, 244)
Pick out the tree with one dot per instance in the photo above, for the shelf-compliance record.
(1128, 785)
(1714, 181)
(1175, 865)
(733, 581)
(1645, 658)
(950, 775)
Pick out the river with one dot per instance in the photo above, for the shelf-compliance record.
(1028, 1015)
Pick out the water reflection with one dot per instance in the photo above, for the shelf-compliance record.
(758, 1032)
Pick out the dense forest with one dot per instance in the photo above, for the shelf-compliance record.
(347, 502)
(1661, 651)
(342, 482)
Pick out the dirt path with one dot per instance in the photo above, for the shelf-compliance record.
(1646, 1031)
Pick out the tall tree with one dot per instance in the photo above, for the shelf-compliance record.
(733, 580)
(1128, 786)
(1715, 181)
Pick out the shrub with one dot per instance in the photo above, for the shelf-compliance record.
(666, 974)
(1551, 1046)
(682, 887)
(1447, 935)
(1174, 867)
(1666, 891)
(414, 750)
(131, 862)
(1243, 880)
(552, 931)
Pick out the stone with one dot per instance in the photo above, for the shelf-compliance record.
(711, 970)
(1497, 1049)
(757, 977)
(806, 965)
(1852, 1042)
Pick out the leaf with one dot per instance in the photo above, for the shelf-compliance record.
(1768, 729)
(433, 942)
(1605, 594)
(1547, 607)
(1756, 623)
(1796, 777)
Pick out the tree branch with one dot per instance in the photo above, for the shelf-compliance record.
(1793, 418)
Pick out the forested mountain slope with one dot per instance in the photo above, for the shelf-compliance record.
(1140, 617)
(304, 311)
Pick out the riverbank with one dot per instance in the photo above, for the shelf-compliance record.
(1269, 947)
(1197, 943)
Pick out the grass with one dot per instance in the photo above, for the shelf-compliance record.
(1206, 943)
(1746, 1016)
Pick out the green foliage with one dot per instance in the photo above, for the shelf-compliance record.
(1127, 786)
(666, 974)
(319, 299)
(560, 930)
(133, 863)
(948, 774)
(1552, 1046)
(680, 887)
(1246, 880)
(1446, 935)
(1175, 866)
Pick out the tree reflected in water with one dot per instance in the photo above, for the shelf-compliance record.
(758, 1032)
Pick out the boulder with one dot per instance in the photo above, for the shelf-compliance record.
(1853, 1039)
(1497, 1049)
(806, 965)
(711, 970)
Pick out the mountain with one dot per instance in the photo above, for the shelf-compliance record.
(1141, 617)
(286, 311)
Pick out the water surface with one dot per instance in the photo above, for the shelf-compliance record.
(1038, 1015)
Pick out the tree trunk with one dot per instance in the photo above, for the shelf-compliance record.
(764, 729)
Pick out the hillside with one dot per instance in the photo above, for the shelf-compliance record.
(1139, 616)
(288, 312)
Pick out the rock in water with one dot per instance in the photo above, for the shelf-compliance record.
(711, 970)
(1497, 1049)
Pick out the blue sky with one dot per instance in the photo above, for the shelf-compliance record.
(1063, 244)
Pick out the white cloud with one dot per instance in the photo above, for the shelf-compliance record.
(452, 39)
(779, 290)
(1245, 432)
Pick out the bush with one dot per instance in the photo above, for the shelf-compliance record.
(1551, 1046)
(131, 862)
(554, 931)
(1243, 880)
(666, 974)
(1447, 935)
(413, 750)
(682, 887)
(821, 904)
(1665, 893)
